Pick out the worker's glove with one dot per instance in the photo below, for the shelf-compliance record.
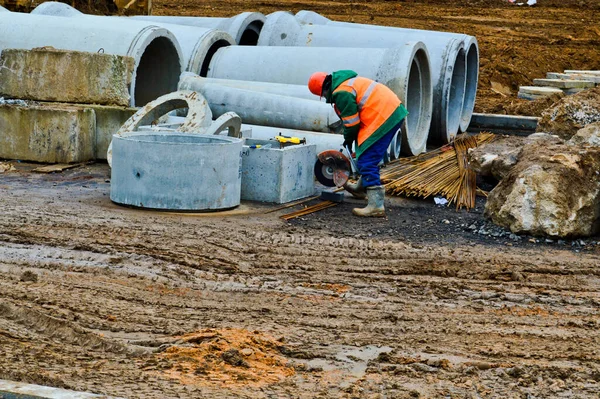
(348, 142)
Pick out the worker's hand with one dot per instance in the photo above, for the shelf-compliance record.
(348, 143)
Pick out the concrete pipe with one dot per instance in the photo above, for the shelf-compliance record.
(263, 108)
(176, 171)
(472, 61)
(245, 27)
(298, 91)
(2, 9)
(470, 46)
(447, 57)
(405, 70)
(157, 55)
(197, 44)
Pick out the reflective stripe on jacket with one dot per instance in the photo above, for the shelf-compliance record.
(376, 104)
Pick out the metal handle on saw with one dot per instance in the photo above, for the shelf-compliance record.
(352, 163)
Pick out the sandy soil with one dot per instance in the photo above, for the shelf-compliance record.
(138, 304)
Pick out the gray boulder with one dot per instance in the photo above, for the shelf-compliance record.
(589, 135)
(497, 158)
(553, 190)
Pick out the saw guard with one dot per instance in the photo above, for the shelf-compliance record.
(332, 168)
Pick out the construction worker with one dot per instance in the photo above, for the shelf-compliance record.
(372, 115)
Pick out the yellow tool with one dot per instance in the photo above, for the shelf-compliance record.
(289, 140)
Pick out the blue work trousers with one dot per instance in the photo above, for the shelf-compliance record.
(368, 162)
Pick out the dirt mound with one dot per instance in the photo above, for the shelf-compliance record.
(226, 358)
(571, 113)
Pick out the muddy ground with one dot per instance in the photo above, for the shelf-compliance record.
(427, 303)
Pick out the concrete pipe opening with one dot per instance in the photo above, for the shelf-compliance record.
(472, 66)
(210, 52)
(251, 33)
(456, 96)
(418, 97)
(157, 72)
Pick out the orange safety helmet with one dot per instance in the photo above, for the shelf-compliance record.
(315, 83)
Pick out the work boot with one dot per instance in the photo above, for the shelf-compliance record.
(374, 208)
(356, 189)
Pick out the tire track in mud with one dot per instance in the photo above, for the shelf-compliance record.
(127, 279)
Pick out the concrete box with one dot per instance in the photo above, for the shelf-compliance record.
(48, 74)
(276, 174)
(52, 133)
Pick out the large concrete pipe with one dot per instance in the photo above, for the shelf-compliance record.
(244, 27)
(197, 44)
(447, 59)
(470, 46)
(405, 70)
(2, 9)
(264, 108)
(298, 91)
(157, 55)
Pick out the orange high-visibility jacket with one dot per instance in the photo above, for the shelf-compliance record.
(368, 109)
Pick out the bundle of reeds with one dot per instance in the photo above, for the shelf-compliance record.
(444, 172)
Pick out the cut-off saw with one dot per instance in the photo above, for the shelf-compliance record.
(333, 168)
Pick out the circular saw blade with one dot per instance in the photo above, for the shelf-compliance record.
(332, 168)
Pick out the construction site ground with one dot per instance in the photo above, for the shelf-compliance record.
(428, 302)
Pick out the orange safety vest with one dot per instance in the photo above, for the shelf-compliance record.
(376, 103)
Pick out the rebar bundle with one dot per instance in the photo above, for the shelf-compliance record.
(444, 172)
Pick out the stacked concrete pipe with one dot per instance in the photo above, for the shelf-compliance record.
(405, 70)
(197, 44)
(264, 109)
(298, 91)
(447, 59)
(470, 47)
(245, 27)
(156, 51)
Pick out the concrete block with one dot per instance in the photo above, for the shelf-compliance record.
(573, 76)
(109, 120)
(582, 71)
(48, 74)
(531, 97)
(333, 196)
(52, 133)
(276, 174)
(538, 90)
(564, 84)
